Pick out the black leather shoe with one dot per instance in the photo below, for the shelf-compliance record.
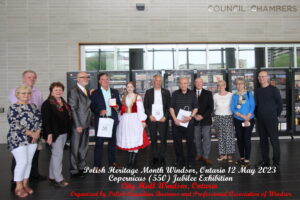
(116, 165)
(154, 162)
(162, 162)
(263, 164)
(277, 166)
(179, 164)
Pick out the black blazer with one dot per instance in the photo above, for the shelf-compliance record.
(98, 104)
(149, 100)
(205, 107)
(54, 121)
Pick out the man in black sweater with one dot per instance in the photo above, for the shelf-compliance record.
(268, 108)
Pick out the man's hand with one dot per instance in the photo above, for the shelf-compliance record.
(163, 119)
(143, 124)
(186, 119)
(91, 91)
(79, 129)
(177, 122)
(116, 108)
(103, 112)
(198, 117)
(152, 119)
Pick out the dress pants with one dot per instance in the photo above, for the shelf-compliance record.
(158, 150)
(79, 149)
(202, 140)
(179, 133)
(57, 152)
(111, 153)
(243, 136)
(268, 128)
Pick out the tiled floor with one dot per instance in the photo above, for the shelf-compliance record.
(287, 181)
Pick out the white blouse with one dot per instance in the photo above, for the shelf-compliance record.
(222, 104)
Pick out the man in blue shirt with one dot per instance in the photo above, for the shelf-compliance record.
(100, 107)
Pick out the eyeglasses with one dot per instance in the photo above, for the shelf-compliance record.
(84, 77)
(23, 93)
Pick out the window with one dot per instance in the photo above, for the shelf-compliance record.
(191, 56)
(182, 59)
(92, 61)
(280, 57)
(246, 57)
(216, 58)
(123, 60)
(164, 59)
(197, 59)
(298, 57)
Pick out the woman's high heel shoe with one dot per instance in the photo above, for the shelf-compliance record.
(221, 158)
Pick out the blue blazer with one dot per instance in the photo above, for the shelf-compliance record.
(98, 104)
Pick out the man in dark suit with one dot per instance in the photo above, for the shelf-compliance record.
(100, 107)
(203, 121)
(158, 96)
(79, 102)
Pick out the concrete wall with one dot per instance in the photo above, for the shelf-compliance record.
(43, 35)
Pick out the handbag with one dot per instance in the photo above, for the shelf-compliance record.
(105, 127)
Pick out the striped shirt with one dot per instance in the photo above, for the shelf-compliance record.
(187, 101)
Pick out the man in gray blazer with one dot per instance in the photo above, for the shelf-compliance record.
(79, 102)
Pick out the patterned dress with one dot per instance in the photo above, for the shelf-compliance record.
(22, 117)
(224, 124)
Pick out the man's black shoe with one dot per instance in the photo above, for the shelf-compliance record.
(262, 164)
(154, 162)
(162, 162)
(277, 168)
(79, 174)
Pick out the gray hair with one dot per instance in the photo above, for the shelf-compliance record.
(156, 76)
(239, 79)
(29, 71)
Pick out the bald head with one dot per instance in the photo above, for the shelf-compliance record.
(184, 83)
(83, 79)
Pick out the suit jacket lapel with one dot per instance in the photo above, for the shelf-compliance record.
(80, 91)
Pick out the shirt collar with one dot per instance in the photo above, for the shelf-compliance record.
(105, 89)
(188, 90)
(80, 86)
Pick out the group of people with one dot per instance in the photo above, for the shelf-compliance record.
(191, 111)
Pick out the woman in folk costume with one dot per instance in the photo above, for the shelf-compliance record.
(131, 134)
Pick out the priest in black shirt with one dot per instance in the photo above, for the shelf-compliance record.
(268, 109)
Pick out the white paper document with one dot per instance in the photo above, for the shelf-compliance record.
(181, 115)
(157, 111)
